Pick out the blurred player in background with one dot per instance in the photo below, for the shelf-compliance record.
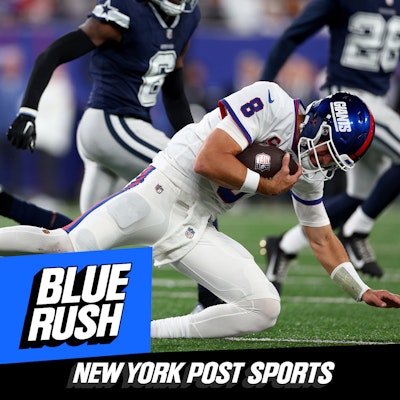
(363, 55)
(28, 213)
(171, 205)
(137, 49)
(115, 135)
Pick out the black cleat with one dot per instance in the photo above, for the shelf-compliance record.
(361, 254)
(277, 260)
(206, 299)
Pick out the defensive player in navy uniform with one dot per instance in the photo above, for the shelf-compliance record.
(137, 49)
(363, 55)
(28, 213)
(172, 204)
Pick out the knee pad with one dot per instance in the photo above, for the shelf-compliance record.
(266, 312)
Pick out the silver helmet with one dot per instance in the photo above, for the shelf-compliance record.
(174, 9)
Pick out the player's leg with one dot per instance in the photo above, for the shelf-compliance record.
(223, 266)
(112, 149)
(205, 298)
(340, 207)
(27, 213)
(367, 180)
(385, 191)
(360, 180)
(26, 239)
(94, 142)
(97, 184)
(106, 225)
(124, 218)
(356, 230)
(383, 182)
(280, 251)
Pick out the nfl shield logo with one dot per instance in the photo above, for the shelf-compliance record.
(262, 162)
(189, 233)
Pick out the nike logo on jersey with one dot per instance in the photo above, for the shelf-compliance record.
(28, 126)
(269, 98)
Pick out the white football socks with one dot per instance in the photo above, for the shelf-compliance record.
(293, 240)
(358, 222)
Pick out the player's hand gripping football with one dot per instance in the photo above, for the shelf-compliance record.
(283, 181)
(381, 298)
(22, 132)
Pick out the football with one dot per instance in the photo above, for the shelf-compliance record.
(265, 159)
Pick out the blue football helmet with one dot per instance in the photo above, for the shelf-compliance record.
(174, 9)
(344, 123)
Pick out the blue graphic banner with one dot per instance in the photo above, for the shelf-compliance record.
(75, 305)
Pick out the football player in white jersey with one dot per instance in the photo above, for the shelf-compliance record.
(172, 203)
(129, 67)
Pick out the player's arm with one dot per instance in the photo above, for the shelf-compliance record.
(91, 34)
(217, 161)
(22, 132)
(174, 97)
(314, 16)
(333, 257)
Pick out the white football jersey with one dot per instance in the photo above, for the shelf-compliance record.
(262, 112)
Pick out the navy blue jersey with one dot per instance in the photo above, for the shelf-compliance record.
(364, 41)
(127, 76)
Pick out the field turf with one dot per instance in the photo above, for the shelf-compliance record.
(315, 312)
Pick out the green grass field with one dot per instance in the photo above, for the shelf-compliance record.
(315, 312)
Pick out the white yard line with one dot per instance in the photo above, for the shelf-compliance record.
(352, 342)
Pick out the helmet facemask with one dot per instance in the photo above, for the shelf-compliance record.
(172, 9)
(308, 146)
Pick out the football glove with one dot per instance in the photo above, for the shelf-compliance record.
(22, 132)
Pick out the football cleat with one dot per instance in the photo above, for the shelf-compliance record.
(361, 254)
(277, 261)
(206, 299)
(197, 308)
